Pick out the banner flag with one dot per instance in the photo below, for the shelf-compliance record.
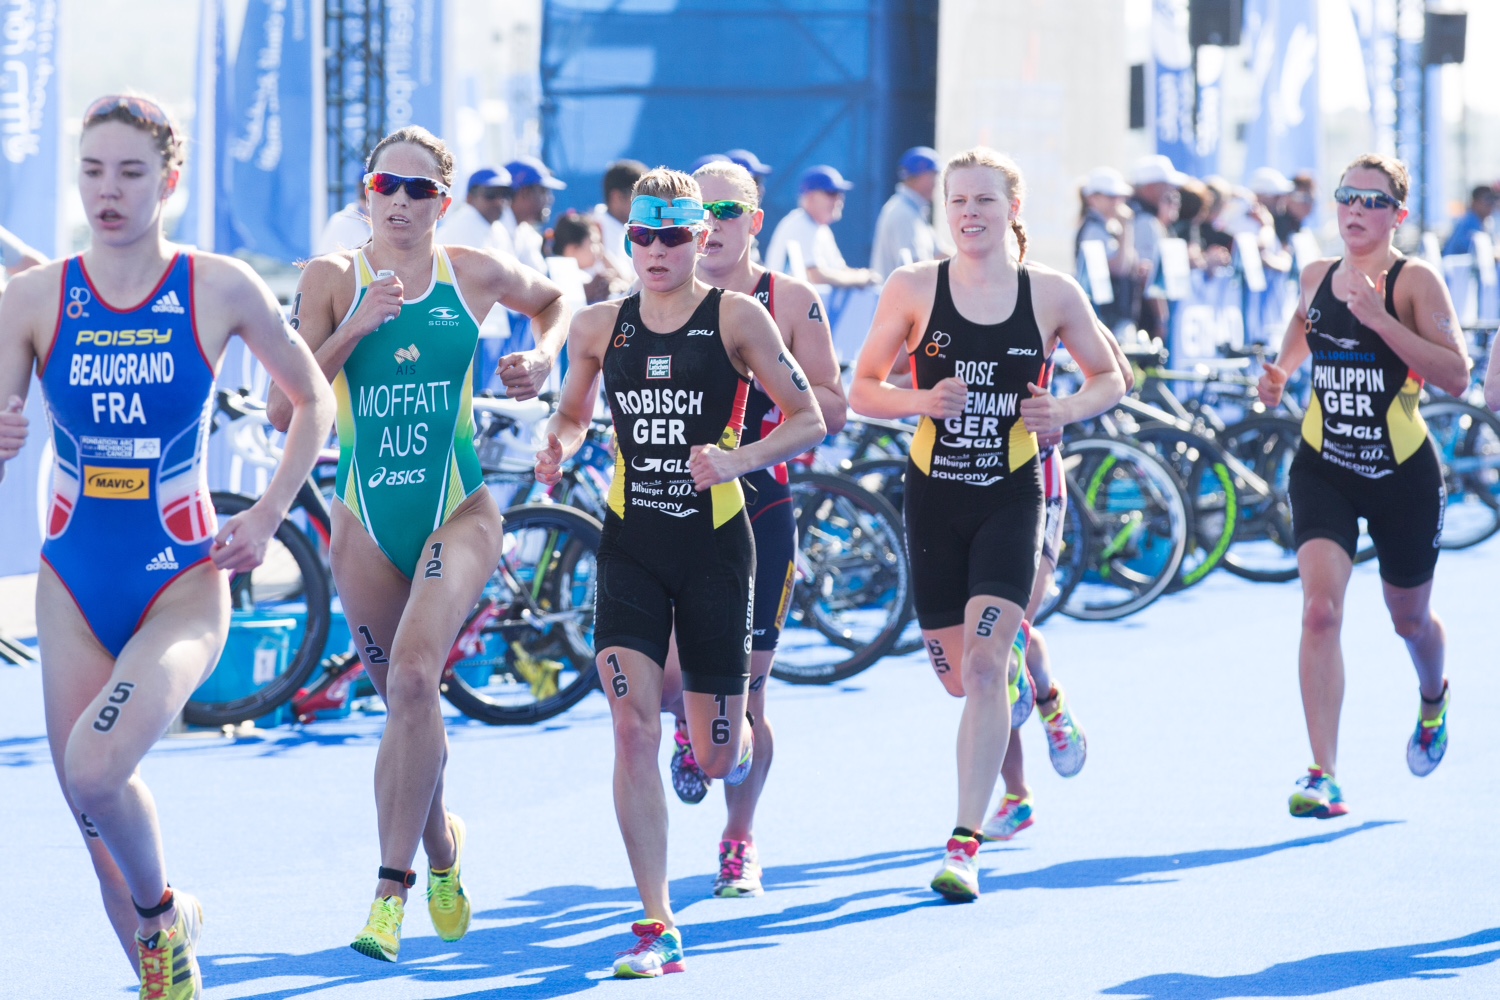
(30, 122)
(271, 180)
(198, 223)
(1173, 85)
(1375, 22)
(1288, 133)
(414, 64)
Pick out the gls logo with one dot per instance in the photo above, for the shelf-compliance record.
(397, 477)
(442, 316)
(658, 464)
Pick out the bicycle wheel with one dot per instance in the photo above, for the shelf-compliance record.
(1264, 547)
(886, 477)
(1468, 448)
(853, 592)
(526, 651)
(277, 629)
(1135, 519)
(1210, 489)
(1072, 563)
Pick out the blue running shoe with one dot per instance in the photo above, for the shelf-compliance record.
(657, 952)
(1318, 796)
(1022, 691)
(1430, 741)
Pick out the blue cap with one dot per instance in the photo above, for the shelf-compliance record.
(823, 178)
(749, 161)
(918, 160)
(704, 161)
(489, 177)
(528, 171)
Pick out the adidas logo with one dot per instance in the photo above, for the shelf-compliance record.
(408, 354)
(168, 303)
(164, 560)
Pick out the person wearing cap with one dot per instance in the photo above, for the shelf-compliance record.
(1478, 219)
(476, 223)
(905, 221)
(1156, 181)
(758, 170)
(612, 214)
(1106, 219)
(820, 204)
(346, 229)
(531, 184)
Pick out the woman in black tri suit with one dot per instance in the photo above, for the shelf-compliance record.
(977, 330)
(677, 553)
(1377, 326)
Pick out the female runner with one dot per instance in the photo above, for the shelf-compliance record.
(415, 533)
(133, 594)
(677, 553)
(1377, 325)
(978, 329)
(735, 217)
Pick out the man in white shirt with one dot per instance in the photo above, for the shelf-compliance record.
(905, 222)
(619, 182)
(820, 204)
(475, 223)
(531, 186)
(347, 228)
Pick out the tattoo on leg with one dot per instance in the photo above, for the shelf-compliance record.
(938, 657)
(110, 713)
(720, 728)
(373, 652)
(987, 619)
(618, 681)
(89, 829)
(435, 564)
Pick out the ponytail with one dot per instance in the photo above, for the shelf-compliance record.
(1020, 231)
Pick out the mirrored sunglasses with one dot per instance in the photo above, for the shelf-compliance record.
(416, 187)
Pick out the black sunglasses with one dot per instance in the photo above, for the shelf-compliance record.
(1369, 199)
(418, 188)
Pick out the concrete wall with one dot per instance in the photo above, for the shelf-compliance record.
(1045, 81)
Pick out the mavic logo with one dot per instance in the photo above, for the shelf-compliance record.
(442, 316)
(405, 354)
(165, 559)
(168, 303)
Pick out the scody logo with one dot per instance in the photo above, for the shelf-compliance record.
(405, 354)
(442, 316)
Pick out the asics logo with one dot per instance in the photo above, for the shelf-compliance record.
(396, 477)
(168, 303)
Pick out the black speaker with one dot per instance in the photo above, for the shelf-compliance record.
(1215, 22)
(1444, 40)
(1138, 96)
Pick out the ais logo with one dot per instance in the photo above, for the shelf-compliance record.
(116, 484)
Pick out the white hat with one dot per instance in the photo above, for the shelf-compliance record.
(1270, 181)
(1157, 169)
(1106, 180)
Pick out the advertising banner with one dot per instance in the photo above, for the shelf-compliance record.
(30, 121)
(1283, 40)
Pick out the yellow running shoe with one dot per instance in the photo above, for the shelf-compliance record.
(446, 902)
(381, 938)
(169, 960)
(540, 674)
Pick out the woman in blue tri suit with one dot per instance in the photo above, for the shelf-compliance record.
(1377, 326)
(133, 594)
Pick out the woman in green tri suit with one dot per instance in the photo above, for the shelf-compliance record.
(415, 534)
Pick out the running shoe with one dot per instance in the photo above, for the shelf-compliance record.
(958, 880)
(1318, 796)
(742, 769)
(1428, 744)
(1021, 690)
(688, 779)
(1066, 744)
(1013, 816)
(446, 902)
(739, 870)
(381, 938)
(540, 675)
(657, 952)
(169, 960)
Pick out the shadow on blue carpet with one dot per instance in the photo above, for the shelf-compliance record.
(534, 945)
(1323, 973)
